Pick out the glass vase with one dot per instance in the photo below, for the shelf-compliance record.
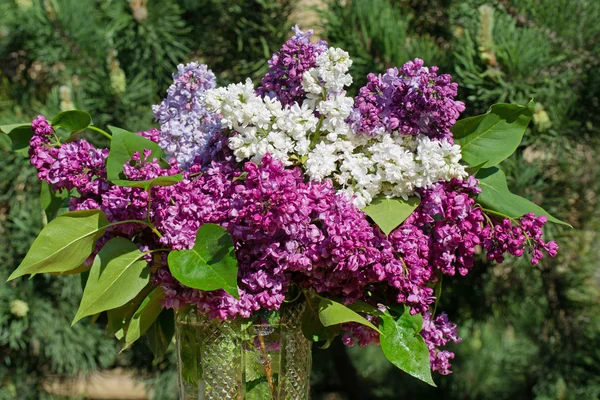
(266, 358)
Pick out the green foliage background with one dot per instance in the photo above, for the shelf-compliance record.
(529, 332)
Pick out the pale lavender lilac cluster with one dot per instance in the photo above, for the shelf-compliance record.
(285, 227)
(412, 100)
(187, 128)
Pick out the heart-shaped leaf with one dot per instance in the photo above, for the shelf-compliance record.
(490, 138)
(8, 128)
(312, 327)
(72, 120)
(119, 317)
(389, 212)
(53, 201)
(496, 197)
(20, 135)
(122, 147)
(161, 333)
(118, 274)
(334, 313)
(158, 181)
(145, 316)
(404, 347)
(64, 244)
(210, 264)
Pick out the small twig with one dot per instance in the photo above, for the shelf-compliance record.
(268, 366)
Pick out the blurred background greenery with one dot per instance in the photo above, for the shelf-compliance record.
(529, 332)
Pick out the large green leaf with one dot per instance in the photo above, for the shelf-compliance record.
(52, 201)
(72, 120)
(312, 327)
(145, 315)
(404, 347)
(158, 181)
(64, 243)
(334, 313)
(119, 317)
(490, 138)
(161, 333)
(19, 135)
(118, 274)
(389, 212)
(210, 264)
(122, 146)
(8, 128)
(5, 142)
(496, 197)
(360, 306)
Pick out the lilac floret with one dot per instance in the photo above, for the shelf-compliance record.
(411, 100)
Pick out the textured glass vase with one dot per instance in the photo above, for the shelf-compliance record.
(242, 360)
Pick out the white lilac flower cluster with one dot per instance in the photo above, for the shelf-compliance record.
(261, 125)
(392, 165)
(316, 133)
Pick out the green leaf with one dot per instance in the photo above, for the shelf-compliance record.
(360, 306)
(334, 313)
(404, 347)
(495, 196)
(79, 270)
(161, 333)
(119, 317)
(72, 120)
(312, 327)
(145, 316)
(388, 213)
(20, 137)
(8, 128)
(5, 143)
(122, 146)
(158, 181)
(490, 138)
(474, 170)
(118, 274)
(63, 244)
(52, 201)
(210, 264)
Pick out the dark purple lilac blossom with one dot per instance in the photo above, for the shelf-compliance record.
(411, 100)
(284, 80)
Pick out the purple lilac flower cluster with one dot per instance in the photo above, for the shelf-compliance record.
(413, 100)
(298, 55)
(514, 239)
(76, 165)
(438, 332)
(188, 132)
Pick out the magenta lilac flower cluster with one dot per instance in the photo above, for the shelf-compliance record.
(413, 100)
(289, 229)
(438, 332)
(284, 80)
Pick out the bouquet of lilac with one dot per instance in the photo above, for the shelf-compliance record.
(251, 197)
